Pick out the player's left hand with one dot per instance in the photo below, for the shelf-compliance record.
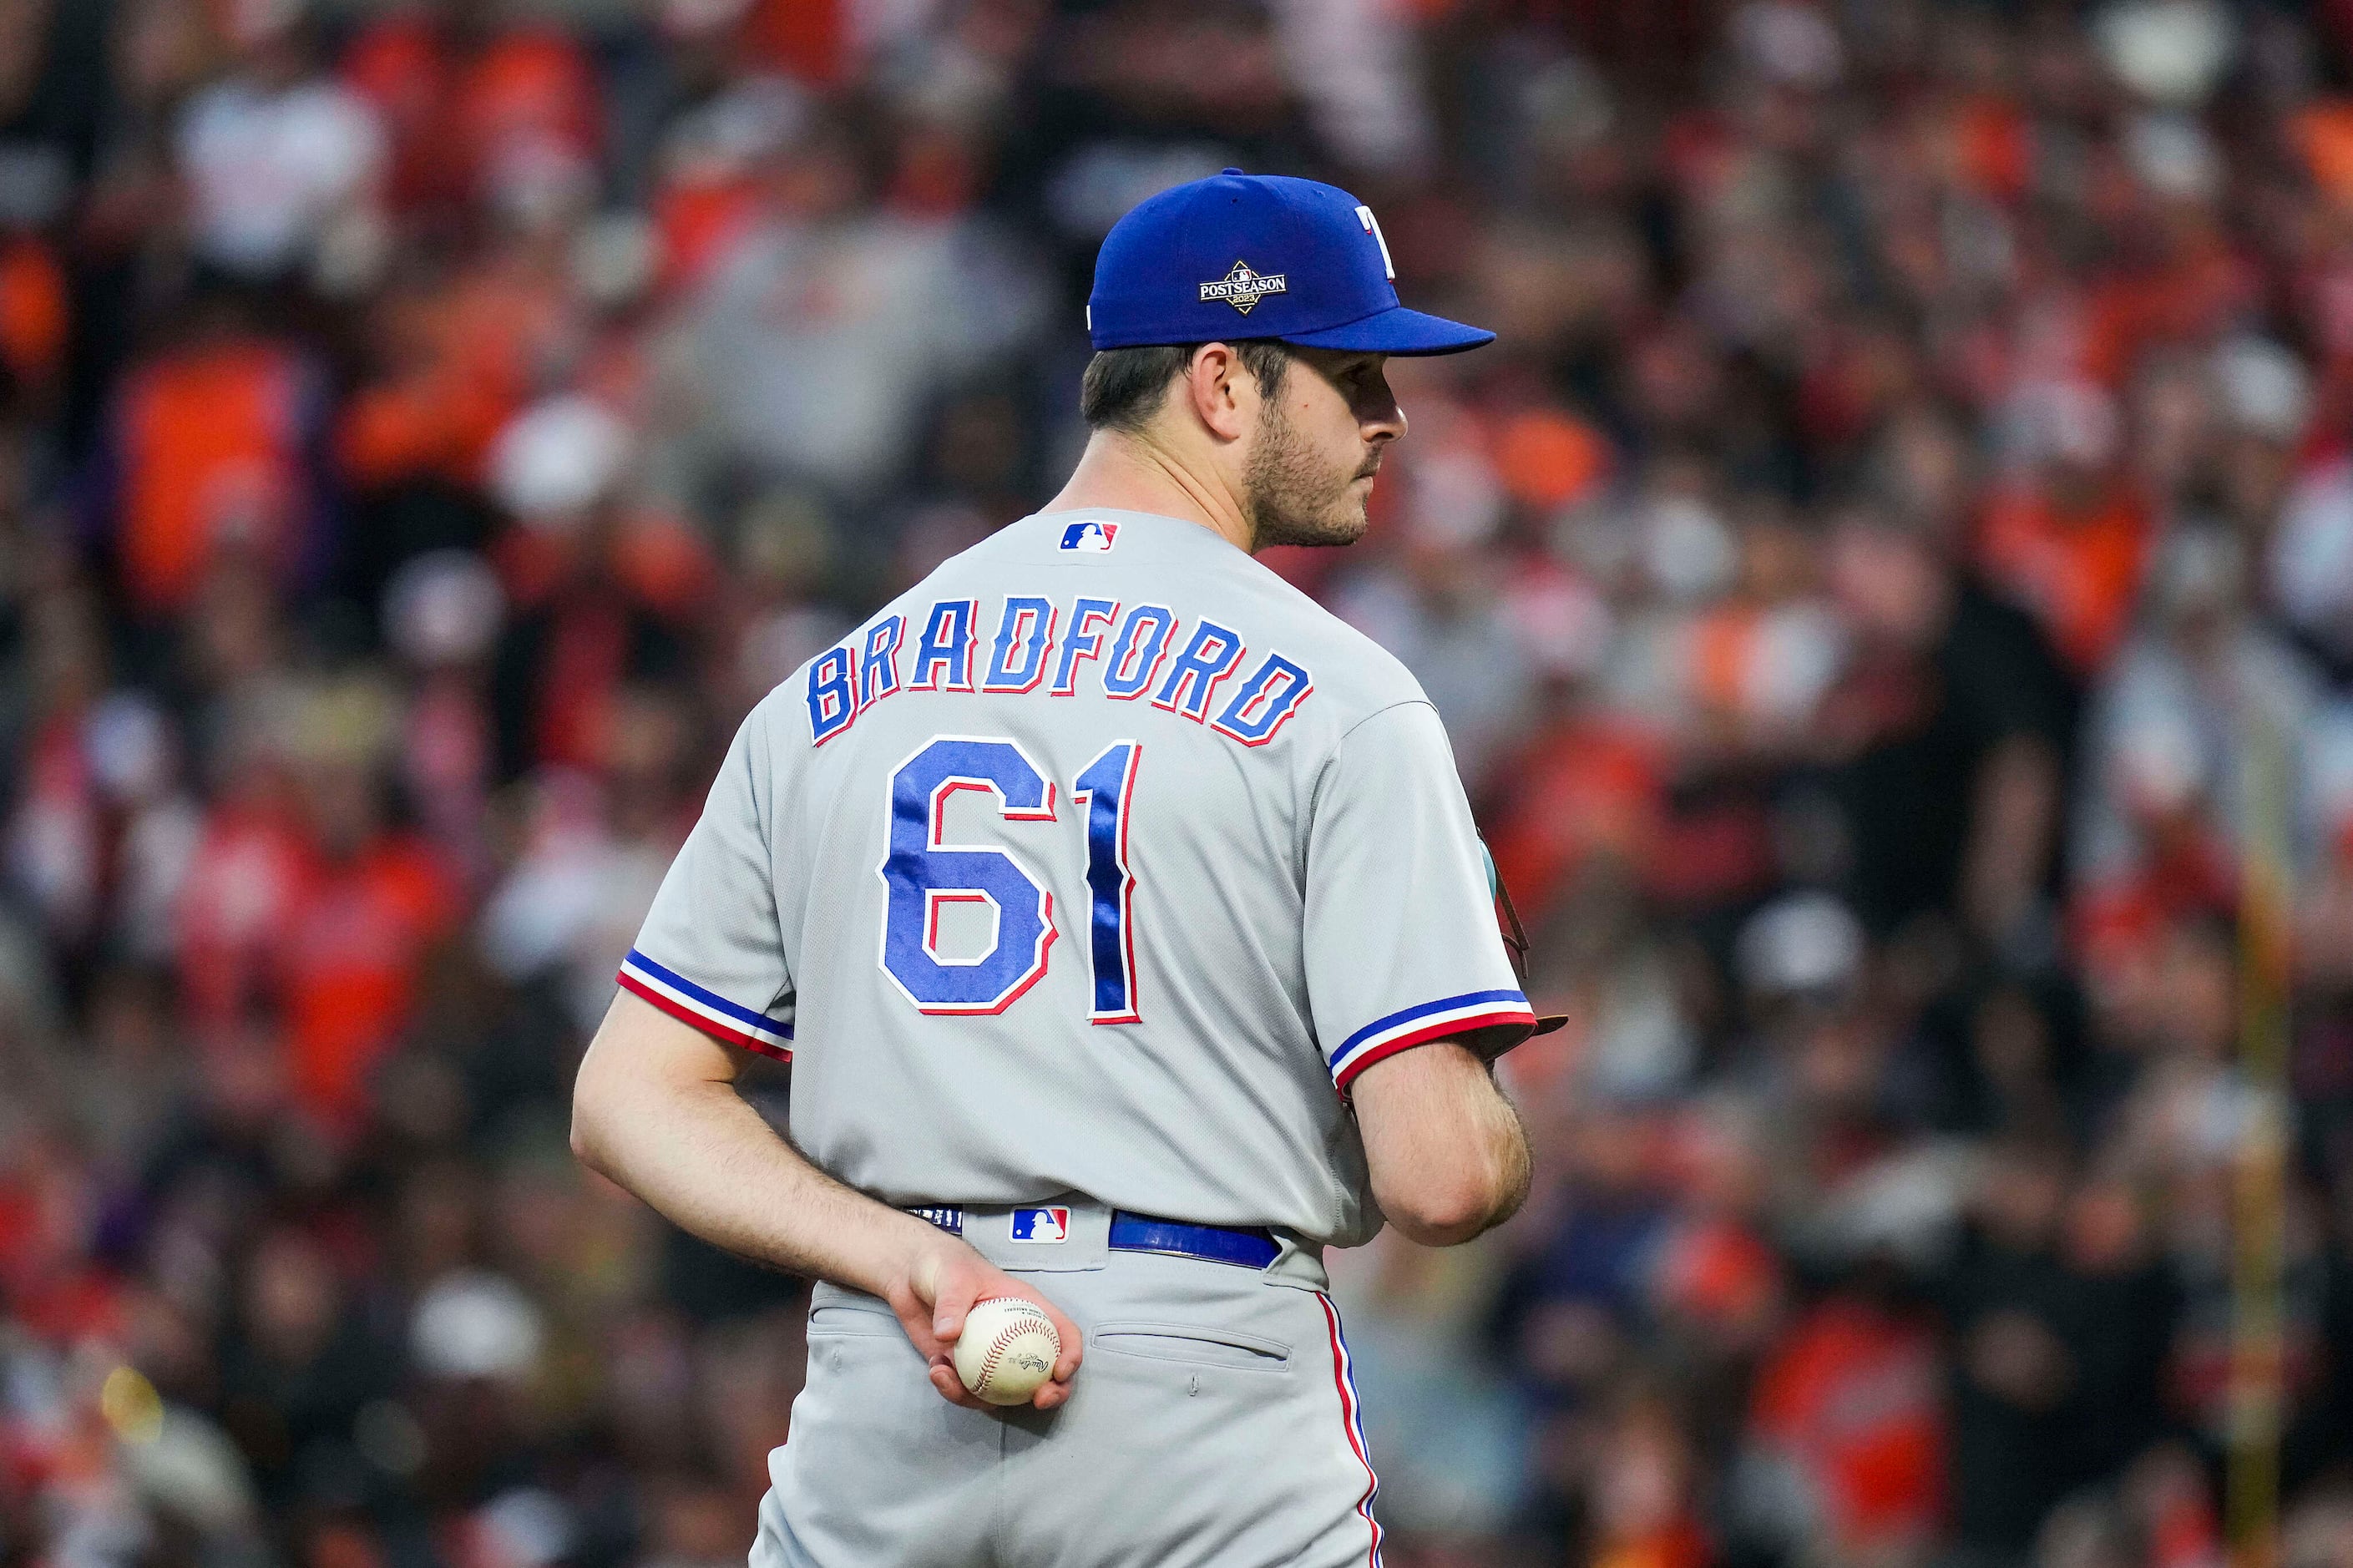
(940, 1281)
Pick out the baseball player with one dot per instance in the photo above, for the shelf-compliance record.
(1123, 918)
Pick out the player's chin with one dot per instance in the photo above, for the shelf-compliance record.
(1349, 521)
(1345, 520)
(1342, 520)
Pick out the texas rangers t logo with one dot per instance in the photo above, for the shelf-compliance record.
(1042, 1225)
(1090, 535)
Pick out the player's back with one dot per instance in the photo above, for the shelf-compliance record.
(1040, 834)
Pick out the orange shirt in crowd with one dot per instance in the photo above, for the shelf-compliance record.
(529, 85)
(450, 115)
(462, 359)
(350, 964)
(1595, 785)
(35, 313)
(2078, 572)
(1716, 1271)
(1852, 1397)
(337, 945)
(210, 442)
(2187, 299)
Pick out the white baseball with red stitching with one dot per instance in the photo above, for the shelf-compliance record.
(1008, 1347)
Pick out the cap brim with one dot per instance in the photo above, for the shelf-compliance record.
(1395, 331)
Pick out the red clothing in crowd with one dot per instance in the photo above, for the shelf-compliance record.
(2078, 572)
(210, 443)
(453, 112)
(460, 366)
(1851, 1397)
(338, 943)
(35, 311)
(807, 38)
(352, 963)
(1594, 785)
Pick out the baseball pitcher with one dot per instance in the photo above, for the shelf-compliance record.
(1122, 915)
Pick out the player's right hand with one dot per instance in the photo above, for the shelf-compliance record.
(942, 1280)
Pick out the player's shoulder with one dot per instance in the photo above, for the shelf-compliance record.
(1355, 676)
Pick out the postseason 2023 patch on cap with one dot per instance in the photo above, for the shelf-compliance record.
(1259, 255)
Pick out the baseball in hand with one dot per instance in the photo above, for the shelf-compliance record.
(1008, 1349)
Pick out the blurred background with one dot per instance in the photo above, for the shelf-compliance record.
(1890, 591)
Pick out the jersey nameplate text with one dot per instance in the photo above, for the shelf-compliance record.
(1120, 652)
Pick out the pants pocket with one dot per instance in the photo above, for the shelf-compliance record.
(835, 1322)
(1191, 1343)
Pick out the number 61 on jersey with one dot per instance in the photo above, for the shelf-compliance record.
(923, 873)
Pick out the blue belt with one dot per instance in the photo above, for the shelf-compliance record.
(1245, 1246)
(1252, 1248)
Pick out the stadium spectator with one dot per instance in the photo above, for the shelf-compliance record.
(279, 161)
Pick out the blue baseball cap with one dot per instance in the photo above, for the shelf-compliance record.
(1259, 255)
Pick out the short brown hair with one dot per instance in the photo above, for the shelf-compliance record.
(1122, 387)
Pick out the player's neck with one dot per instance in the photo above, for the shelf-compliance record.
(1132, 473)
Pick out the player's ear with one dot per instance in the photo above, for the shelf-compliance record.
(1221, 390)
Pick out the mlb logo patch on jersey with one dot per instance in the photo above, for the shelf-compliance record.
(1042, 1225)
(1090, 535)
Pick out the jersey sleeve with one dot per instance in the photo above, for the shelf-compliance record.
(1402, 947)
(711, 952)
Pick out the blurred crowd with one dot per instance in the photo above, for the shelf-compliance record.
(1890, 589)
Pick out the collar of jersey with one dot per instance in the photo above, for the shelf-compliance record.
(1158, 532)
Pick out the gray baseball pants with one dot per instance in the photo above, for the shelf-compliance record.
(1212, 1422)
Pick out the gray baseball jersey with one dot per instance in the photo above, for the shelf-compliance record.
(1100, 862)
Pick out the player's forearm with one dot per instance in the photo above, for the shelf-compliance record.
(1497, 1152)
(660, 1115)
(1448, 1156)
(1515, 1161)
(706, 1162)
(655, 1107)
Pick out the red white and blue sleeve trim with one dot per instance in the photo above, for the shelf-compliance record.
(1439, 1020)
(707, 1010)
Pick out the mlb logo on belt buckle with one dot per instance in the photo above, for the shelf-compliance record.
(1090, 535)
(1042, 1225)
